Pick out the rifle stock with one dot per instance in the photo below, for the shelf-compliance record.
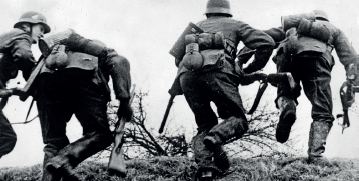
(164, 120)
(116, 163)
(27, 90)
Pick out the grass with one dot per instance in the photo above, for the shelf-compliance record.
(183, 168)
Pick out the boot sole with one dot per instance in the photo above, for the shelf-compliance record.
(59, 171)
(220, 158)
(284, 126)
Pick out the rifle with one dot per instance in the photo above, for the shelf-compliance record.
(274, 79)
(29, 86)
(164, 120)
(117, 164)
(347, 97)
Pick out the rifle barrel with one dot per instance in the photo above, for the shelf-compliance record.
(164, 120)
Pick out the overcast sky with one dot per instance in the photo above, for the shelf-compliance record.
(144, 31)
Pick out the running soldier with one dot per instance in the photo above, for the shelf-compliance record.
(306, 53)
(214, 79)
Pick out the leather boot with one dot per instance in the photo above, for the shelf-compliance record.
(287, 118)
(229, 129)
(73, 154)
(318, 134)
(203, 156)
(46, 175)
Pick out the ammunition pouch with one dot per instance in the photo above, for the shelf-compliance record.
(203, 49)
(211, 41)
(212, 56)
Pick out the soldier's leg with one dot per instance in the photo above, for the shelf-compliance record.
(224, 93)
(286, 100)
(224, 89)
(53, 119)
(53, 133)
(197, 97)
(319, 131)
(7, 136)
(90, 106)
(316, 86)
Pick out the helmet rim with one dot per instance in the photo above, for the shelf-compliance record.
(33, 18)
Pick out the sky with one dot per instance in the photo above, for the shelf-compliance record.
(144, 31)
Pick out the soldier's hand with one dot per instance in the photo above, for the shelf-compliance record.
(16, 91)
(125, 110)
(238, 68)
(259, 75)
(351, 72)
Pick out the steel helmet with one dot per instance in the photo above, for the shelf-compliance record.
(218, 6)
(33, 18)
(321, 14)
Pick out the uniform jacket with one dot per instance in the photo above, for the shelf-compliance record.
(337, 41)
(113, 65)
(15, 47)
(234, 32)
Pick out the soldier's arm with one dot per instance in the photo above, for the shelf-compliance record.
(345, 51)
(23, 57)
(261, 42)
(246, 53)
(118, 67)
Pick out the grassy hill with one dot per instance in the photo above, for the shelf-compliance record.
(182, 168)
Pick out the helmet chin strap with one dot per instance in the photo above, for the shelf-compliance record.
(30, 32)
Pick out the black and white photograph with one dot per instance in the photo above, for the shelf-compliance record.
(177, 90)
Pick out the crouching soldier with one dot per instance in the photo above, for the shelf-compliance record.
(15, 55)
(75, 83)
(206, 73)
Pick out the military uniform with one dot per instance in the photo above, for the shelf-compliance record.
(15, 55)
(218, 83)
(79, 89)
(311, 62)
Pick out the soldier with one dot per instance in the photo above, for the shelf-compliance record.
(218, 82)
(76, 83)
(15, 55)
(308, 57)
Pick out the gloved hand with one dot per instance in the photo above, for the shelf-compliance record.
(252, 77)
(125, 110)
